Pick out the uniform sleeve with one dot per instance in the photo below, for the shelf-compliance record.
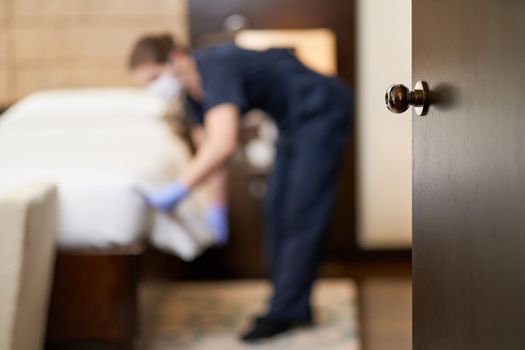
(223, 83)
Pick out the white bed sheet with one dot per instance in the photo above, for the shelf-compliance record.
(95, 211)
(99, 146)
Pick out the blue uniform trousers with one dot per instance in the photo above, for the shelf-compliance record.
(301, 195)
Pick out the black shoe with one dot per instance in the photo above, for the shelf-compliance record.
(265, 328)
(308, 323)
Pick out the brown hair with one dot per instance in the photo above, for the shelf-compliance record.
(151, 49)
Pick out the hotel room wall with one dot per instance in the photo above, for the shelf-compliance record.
(384, 140)
(76, 43)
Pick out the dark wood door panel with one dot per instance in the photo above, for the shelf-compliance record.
(469, 166)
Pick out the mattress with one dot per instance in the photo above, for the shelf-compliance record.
(99, 146)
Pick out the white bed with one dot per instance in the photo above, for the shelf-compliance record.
(99, 146)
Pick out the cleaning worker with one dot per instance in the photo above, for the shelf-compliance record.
(312, 113)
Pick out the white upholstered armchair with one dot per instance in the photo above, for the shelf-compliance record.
(28, 229)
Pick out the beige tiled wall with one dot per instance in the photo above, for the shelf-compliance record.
(3, 50)
(76, 43)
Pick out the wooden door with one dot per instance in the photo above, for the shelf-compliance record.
(469, 175)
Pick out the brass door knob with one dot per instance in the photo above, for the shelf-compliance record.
(399, 98)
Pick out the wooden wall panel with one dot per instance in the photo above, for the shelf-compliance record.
(3, 50)
(36, 44)
(3, 83)
(74, 43)
(3, 42)
(96, 8)
(69, 75)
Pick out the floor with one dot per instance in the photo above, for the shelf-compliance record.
(386, 313)
(374, 314)
(210, 315)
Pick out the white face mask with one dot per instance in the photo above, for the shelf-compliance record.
(166, 86)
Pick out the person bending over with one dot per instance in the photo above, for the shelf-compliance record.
(312, 113)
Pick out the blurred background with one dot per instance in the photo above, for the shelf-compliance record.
(134, 295)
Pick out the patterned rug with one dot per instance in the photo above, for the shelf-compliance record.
(210, 315)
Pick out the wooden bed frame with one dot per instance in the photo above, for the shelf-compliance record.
(94, 301)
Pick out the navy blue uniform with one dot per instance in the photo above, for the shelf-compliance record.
(312, 113)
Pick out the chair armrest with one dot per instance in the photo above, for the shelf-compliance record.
(28, 231)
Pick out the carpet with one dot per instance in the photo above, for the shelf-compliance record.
(210, 315)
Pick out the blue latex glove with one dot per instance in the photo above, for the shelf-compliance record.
(166, 198)
(216, 218)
